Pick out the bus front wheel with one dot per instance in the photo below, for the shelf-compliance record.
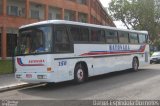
(80, 74)
(135, 64)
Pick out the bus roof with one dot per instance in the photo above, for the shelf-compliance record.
(81, 24)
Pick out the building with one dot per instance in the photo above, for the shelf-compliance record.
(14, 13)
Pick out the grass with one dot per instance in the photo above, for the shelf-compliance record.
(5, 67)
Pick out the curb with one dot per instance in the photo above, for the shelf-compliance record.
(14, 86)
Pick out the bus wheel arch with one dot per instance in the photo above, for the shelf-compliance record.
(80, 72)
(135, 63)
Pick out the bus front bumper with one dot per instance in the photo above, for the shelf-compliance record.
(35, 77)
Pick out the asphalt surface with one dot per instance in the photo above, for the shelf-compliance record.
(8, 79)
(8, 82)
(123, 85)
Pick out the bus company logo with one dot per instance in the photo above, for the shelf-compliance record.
(119, 47)
(36, 61)
(31, 62)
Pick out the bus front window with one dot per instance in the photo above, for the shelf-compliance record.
(35, 40)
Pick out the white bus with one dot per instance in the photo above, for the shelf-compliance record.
(58, 50)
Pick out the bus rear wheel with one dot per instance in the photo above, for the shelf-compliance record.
(80, 74)
(135, 64)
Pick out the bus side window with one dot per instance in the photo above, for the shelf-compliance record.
(111, 36)
(102, 36)
(97, 35)
(142, 38)
(59, 36)
(94, 35)
(123, 37)
(62, 43)
(84, 34)
(75, 33)
(133, 38)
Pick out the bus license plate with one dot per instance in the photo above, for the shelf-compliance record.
(28, 75)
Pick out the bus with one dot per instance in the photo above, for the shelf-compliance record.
(53, 51)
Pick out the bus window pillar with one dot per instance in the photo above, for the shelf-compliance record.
(4, 43)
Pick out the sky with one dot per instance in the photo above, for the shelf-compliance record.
(105, 2)
(118, 24)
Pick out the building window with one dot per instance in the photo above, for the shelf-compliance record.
(22, 12)
(35, 14)
(37, 11)
(69, 15)
(82, 2)
(54, 13)
(82, 17)
(12, 10)
(16, 8)
(95, 20)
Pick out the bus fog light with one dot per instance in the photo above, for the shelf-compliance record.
(18, 76)
(41, 76)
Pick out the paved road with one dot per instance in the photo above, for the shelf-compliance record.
(8, 80)
(123, 85)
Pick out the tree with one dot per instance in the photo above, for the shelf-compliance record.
(137, 14)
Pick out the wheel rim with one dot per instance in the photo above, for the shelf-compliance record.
(80, 74)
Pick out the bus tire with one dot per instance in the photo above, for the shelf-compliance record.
(135, 64)
(80, 75)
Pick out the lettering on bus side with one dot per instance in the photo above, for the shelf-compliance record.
(116, 47)
(36, 61)
(62, 63)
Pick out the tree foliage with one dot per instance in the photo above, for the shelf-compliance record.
(137, 14)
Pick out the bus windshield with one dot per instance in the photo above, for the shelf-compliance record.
(36, 40)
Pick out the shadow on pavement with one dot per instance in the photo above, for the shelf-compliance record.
(99, 84)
